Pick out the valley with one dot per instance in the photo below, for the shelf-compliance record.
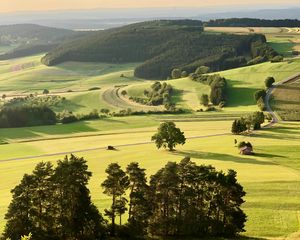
(271, 177)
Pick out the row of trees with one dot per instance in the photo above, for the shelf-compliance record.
(253, 22)
(217, 84)
(181, 199)
(25, 116)
(260, 95)
(250, 122)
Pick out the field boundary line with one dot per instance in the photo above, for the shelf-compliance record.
(99, 148)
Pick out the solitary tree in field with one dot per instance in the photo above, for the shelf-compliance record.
(204, 99)
(168, 136)
(269, 82)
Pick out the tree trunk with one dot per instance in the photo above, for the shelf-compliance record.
(113, 216)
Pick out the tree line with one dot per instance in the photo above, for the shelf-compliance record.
(250, 122)
(253, 22)
(180, 200)
(217, 84)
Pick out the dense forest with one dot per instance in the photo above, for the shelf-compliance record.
(181, 200)
(161, 46)
(253, 22)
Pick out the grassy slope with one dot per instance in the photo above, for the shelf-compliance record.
(16, 75)
(245, 81)
(283, 40)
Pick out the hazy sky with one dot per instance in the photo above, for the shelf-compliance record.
(36, 5)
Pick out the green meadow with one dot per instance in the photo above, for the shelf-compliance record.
(271, 177)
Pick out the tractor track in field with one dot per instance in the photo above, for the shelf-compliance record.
(275, 117)
(99, 148)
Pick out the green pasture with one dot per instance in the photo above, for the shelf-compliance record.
(283, 40)
(17, 74)
(271, 177)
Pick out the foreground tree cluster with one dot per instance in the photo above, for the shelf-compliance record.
(180, 200)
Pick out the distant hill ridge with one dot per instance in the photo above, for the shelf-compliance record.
(31, 39)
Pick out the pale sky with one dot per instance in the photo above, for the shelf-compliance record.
(38, 5)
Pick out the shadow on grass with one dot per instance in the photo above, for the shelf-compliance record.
(222, 157)
(240, 96)
(209, 238)
(266, 155)
(39, 131)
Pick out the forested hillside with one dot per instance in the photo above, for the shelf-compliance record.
(162, 46)
(253, 22)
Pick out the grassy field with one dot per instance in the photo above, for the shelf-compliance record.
(286, 100)
(243, 82)
(283, 40)
(271, 177)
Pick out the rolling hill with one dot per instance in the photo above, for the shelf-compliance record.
(27, 39)
(162, 46)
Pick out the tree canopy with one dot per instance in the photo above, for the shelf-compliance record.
(168, 136)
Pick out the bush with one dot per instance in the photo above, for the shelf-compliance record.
(123, 93)
(184, 74)
(202, 70)
(244, 144)
(94, 88)
(45, 91)
(269, 82)
(277, 59)
(261, 104)
(210, 109)
(69, 119)
(260, 94)
(176, 73)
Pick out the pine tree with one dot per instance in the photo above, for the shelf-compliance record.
(115, 186)
(139, 204)
(19, 222)
(75, 215)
